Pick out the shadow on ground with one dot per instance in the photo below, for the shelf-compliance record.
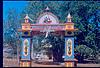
(48, 63)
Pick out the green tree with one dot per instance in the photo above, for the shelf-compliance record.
(84, 51)
(10, 29)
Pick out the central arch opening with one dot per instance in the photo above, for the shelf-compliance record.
(50, 48)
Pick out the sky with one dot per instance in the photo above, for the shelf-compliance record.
(19, 5)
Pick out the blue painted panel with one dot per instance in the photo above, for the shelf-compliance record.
(66, 56)
(27, 57)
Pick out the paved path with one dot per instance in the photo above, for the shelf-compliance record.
(88, 65)
(14, 63)
(10, 63)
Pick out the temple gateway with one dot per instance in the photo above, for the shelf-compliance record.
(47, 23)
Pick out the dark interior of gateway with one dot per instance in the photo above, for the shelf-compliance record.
(52, 45)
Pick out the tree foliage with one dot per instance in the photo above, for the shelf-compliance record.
(84, 50)
(10, 30)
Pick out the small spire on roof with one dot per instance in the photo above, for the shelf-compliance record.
(26, 18)
(69, 18)
(47, 8)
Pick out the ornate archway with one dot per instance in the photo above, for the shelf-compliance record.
(45, 24)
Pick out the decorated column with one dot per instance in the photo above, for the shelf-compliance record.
(25, 55)
(69, 43)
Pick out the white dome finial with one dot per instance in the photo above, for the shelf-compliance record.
(69, 18)
(47, 8)
(26, 18)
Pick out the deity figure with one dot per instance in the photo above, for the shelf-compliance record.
(47, 20)
(69, 47)
(26, 47)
